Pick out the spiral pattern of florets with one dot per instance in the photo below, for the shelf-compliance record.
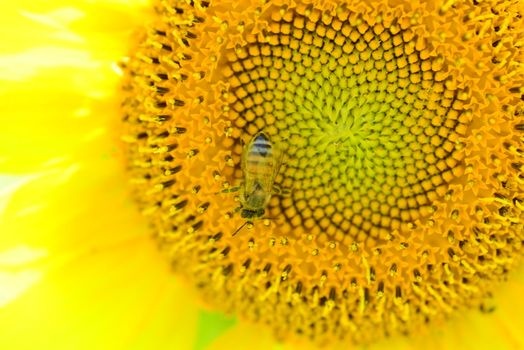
(401, 128)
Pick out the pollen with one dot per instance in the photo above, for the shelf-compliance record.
(401, 127)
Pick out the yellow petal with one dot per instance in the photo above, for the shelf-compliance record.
(91, 194)
(115, 297)
(101, 282)
(58, 77)
(77, 268)
(244, 336)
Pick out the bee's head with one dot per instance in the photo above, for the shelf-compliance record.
(252, 213)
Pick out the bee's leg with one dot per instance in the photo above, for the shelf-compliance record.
(284, 192)
(229, 190)
(230, 214)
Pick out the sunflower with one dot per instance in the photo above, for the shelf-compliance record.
(400, 129)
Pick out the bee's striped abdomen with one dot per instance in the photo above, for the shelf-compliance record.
(260, 157)
(262, 145)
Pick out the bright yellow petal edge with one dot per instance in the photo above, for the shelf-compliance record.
(94, 280)
(77, 269)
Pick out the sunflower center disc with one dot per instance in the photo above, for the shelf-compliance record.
(400, 125)
(369, 134)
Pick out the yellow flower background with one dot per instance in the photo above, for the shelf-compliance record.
(78, 269)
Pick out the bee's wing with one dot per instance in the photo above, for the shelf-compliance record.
(279, 157)
(245, 149)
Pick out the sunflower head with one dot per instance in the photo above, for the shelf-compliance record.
(399, 126)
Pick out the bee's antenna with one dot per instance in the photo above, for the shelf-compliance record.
(241, 226)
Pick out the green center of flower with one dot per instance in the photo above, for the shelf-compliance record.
(369, 123)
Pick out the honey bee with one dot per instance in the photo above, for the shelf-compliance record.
(261, 160)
